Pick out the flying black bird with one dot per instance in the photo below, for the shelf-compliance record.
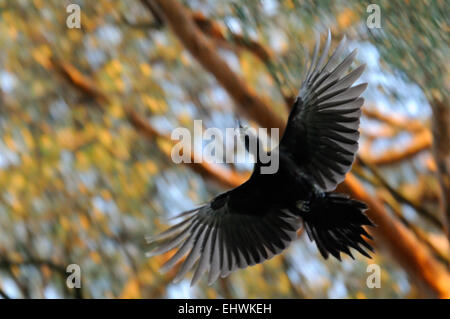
(260, 218)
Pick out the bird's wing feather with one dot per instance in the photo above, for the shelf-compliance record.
(223, 236)
(322, 131)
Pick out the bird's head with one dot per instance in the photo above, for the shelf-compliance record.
(250, 138)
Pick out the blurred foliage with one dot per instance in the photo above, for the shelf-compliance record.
(415, 39)
(79, 184)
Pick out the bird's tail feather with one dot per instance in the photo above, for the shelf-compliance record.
(334, 222)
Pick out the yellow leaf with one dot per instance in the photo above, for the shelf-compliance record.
(290, 4)
(165, 145)
(95, 256)
(65, 223)
(360, 295)
(42, 55)
(17, 206)
(146, 276)
(105, 137)
(46, 271)
(65, 138)
(15, 270)
(116, 110)
(12, 32)
(28, 138)
(82, 160)
(9, 141)
(120, 85)
(145, 69)
(84, 221)
(47, 169)
(184, 118)
(114, 68)
(46, 142)
(131, 290)
(151, 167)
(156, 106)
(37, 3)
(82, 188)
(17, 181)
(346, 18)
(283, 284)
(121, 151)
(105, 194)
(27, 161)
(98, 215)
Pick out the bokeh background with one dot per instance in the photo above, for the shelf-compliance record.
(85, 122)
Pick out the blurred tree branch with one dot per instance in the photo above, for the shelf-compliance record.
(398, 196)
(6, 262)
(420, 234)
(441, 150)
(421, 138)
(396, 121)
(3, 294)
(385, 193)
(420, 142)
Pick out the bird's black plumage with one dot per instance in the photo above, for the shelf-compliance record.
(260, 218)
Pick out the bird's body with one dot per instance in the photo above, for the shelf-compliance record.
(260, 218)
(282, 189)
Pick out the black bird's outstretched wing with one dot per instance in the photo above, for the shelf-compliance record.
(237, 229)
(322, 131)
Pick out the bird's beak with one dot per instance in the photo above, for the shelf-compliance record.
(238, 120)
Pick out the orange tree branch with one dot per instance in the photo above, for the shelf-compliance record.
(398, 195)
(215, 32)
(418, 232)
(420, 142)
(385, 196)
(395, 121)
(441, 151)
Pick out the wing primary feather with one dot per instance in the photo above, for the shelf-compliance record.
(214, 269)
(169, 232)
(314, 58)
(343, 83)
(192, 256)
(317, 70)
(170, 244)
(205, 255)
(186, 213)
(185, 247)
(335, 55)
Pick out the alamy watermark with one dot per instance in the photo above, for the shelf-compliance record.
(74, 18)
(233, 147)
(374, 18)
(374, 279)
(74, 279)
